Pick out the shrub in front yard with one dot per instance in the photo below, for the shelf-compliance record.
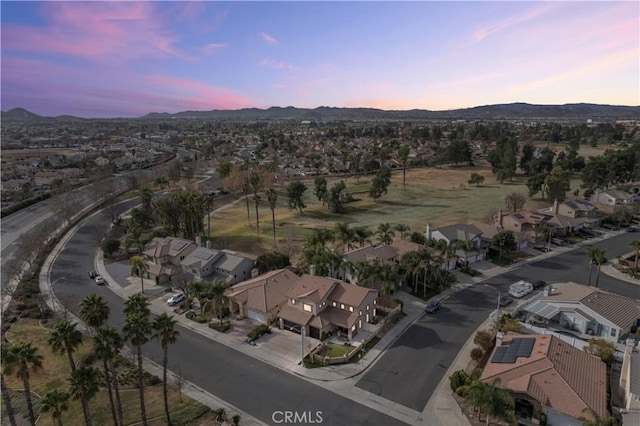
(220, 327)
(457, 379)
(258, 331)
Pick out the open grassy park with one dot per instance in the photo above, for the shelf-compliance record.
(438, 195)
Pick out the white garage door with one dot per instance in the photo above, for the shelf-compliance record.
(255, 316)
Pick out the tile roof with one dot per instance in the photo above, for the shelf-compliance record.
(620, 310)
(338, 317)
(312, 288)
(350, 294)
(556, 374)
(460, 232)
(264, 292)
(295, 315)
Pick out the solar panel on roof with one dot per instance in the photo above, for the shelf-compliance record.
(499, 354)
(203, 255)
(518, 347)
(525, 347)
(179, 245)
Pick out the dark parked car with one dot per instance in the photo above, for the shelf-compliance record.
(432, 307)
(505, 301)
(632, 229)
(539, 284)
(93, 275)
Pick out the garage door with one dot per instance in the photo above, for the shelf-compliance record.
(255, 316)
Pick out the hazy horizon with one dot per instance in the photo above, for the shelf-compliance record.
(127, 59)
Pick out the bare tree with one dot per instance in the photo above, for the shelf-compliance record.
(181, 280)
(66, 205)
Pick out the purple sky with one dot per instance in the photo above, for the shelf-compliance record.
(125, 59)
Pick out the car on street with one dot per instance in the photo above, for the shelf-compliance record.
(175, 299)
(632, 229)
(505, 301)
(99, 279)
(537, 285)
(93, 275)
(432, 307)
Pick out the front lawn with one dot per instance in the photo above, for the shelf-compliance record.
(334, 350)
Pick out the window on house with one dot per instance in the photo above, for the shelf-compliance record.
(334, 304)
(181, 257)
(613, 332)
(306, 307)
(359, 312)
(342, 306)
(350, 308)
(367, 307)
(293, 301)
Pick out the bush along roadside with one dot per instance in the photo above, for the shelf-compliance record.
(258, 331)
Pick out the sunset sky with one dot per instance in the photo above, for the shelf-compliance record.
(125, 59)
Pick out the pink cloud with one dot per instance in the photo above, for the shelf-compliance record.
(94, 30)
(268, 39)
(513, 20)
(213, 47)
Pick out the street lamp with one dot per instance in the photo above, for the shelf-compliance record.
(498, 306)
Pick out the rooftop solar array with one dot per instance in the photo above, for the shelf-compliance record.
(179, 245)
(517, 347)
(203, 255)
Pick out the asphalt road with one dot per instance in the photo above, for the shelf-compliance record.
(257, 388)
(409, 372)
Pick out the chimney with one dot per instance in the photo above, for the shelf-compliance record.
(555, 207)
(254, 272)
(427, 234)
(199, 241)
(312, 269)
(499, 337)
(208, 244)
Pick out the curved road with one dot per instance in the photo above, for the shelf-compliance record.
(252, 386)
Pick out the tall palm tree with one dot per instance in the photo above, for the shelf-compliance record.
(345, 235)
(255, 181)
(466, 246)
(84, 386)
(272, 197)
(385, 234)
(362, 235)
(218, 298)
(596, 257)
(107, 344)
(246, 189)
(55, 402)
(403, 229)
(23, 357)
(448, 250)
(65, 338)
(165, 331)
(403, 156)
(137, 329)
(139, 267)
(197, 290)
(636, 246)
(94, 311)
(7, 359)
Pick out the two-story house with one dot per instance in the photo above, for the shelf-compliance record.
(571, 216)
(525, 225)
(164, 255)
(318, 305)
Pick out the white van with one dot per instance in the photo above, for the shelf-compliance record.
(520, 289)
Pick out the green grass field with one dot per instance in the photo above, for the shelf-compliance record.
(440, 196)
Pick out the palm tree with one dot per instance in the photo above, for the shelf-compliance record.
(246, 189)
(139, 267)
(255, 180)
(23, 357)
(385, 234)
(65, 338)
(55, 402)
(94, 311)
(636, 246)
(166, 333)
(218, 298)
(272, 197)
(84, 386)
(197, 289)
(403, 229)
(596, 257)
(345, 235)
(362, 235)
(107, 344)
(137, 329)
(466, 246)
(6, 359)
(448, 250)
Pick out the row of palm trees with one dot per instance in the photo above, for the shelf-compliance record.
(423, 265)
(22, 358)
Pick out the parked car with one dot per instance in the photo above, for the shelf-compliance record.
(505, 301)
(175, 299)
(632, 229)
(432, 307)
(99, 279)
(520, 289)
(539, 284)
(93, 275)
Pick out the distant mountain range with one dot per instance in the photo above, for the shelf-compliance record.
(514, 111)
